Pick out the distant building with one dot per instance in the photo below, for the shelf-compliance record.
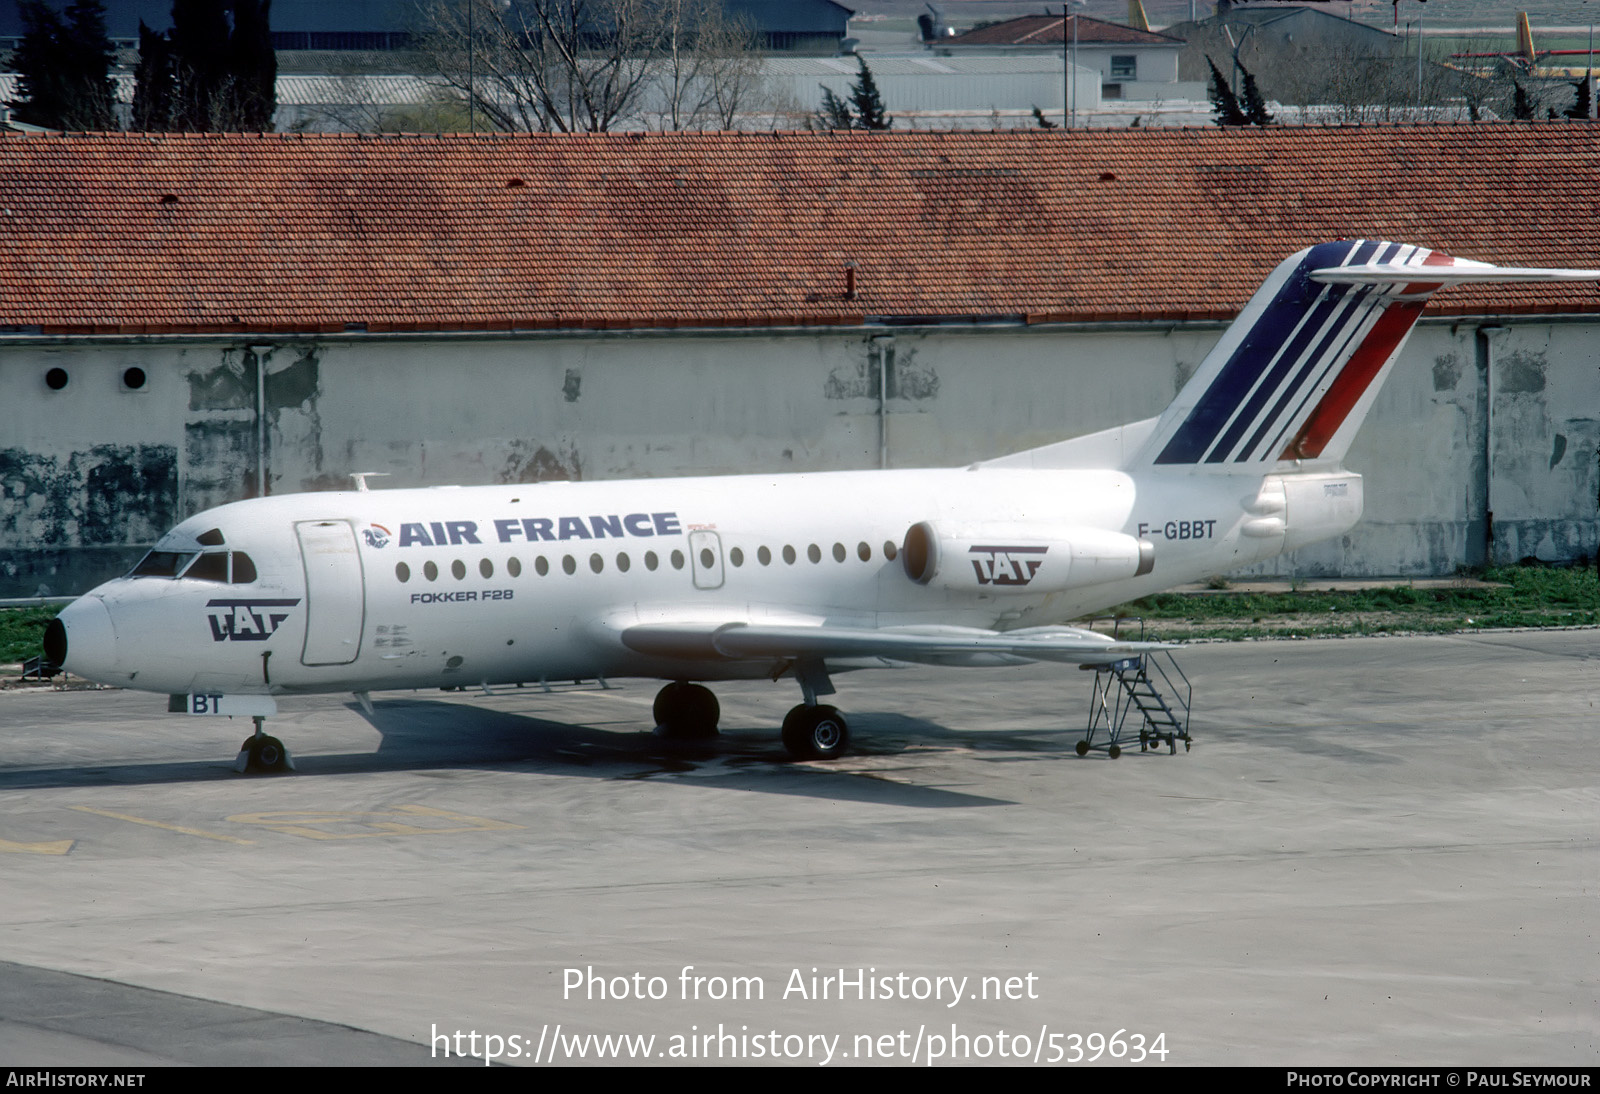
(1132, 63)
(1276, 37)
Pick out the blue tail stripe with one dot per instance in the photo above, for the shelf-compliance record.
(1277, 324)
(1317, 328)
(1377, 299)
(1362, 309)
(1191, 440)
(1305, 385)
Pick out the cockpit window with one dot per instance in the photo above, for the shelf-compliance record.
(162, 564)
(212, 538)
(213, 566)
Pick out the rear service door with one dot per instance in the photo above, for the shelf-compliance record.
(335, 600)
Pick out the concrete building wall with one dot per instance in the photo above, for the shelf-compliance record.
(92, 473)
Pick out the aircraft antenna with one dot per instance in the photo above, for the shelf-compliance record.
(361, 478)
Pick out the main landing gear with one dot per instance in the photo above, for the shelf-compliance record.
(815, 733)
(686, 712)
(261, 754)
(811, 731)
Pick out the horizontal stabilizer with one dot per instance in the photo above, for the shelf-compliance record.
(1462, 273)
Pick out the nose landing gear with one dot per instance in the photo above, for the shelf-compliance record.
(261, 754)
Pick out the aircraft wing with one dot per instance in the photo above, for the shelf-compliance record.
(933, 645)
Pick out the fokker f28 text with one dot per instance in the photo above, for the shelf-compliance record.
(782, 576)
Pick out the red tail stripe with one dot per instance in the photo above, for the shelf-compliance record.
(1347, 388)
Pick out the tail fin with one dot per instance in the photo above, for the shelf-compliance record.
(1525, 40)
(1296, 372)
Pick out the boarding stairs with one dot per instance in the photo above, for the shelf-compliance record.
(1149, 691)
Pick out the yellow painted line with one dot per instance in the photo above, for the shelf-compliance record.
(48, 847)
(131, 819)
(305, 823)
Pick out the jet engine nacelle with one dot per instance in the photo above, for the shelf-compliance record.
(1016, 558)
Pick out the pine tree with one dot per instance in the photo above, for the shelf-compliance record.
(199, 40)
(205, 76)
(65, 67)
(1225, 109)
(1521, 106)
(155, 92)
(1254, 106)
(254, 66)
(868, 103)
(835, 112)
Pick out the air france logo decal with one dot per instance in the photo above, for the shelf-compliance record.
(451, 533)
(1006, 565)
(246, 620)
(377, 535)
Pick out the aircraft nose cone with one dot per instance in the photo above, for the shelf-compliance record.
(82, 639)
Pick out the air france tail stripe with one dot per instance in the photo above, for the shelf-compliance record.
(1265, 447)
(1215, 407)
(1364, 307)
(1298, 311)
(1313, 376)
(1381, 300)
(1352, 382)
(1304, 352)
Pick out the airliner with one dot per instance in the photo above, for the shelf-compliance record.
(792, 577)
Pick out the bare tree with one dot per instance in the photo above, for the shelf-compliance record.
(710, 71)
(590, 65)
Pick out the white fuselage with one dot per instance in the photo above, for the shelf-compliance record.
(361, 590)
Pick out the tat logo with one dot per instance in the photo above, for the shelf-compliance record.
(1006, 565)
(246, 620)
(377, 535)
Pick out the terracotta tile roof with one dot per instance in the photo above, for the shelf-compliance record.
(284, 233)
(1045, 30)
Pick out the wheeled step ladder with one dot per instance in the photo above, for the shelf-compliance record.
(1149, 690)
